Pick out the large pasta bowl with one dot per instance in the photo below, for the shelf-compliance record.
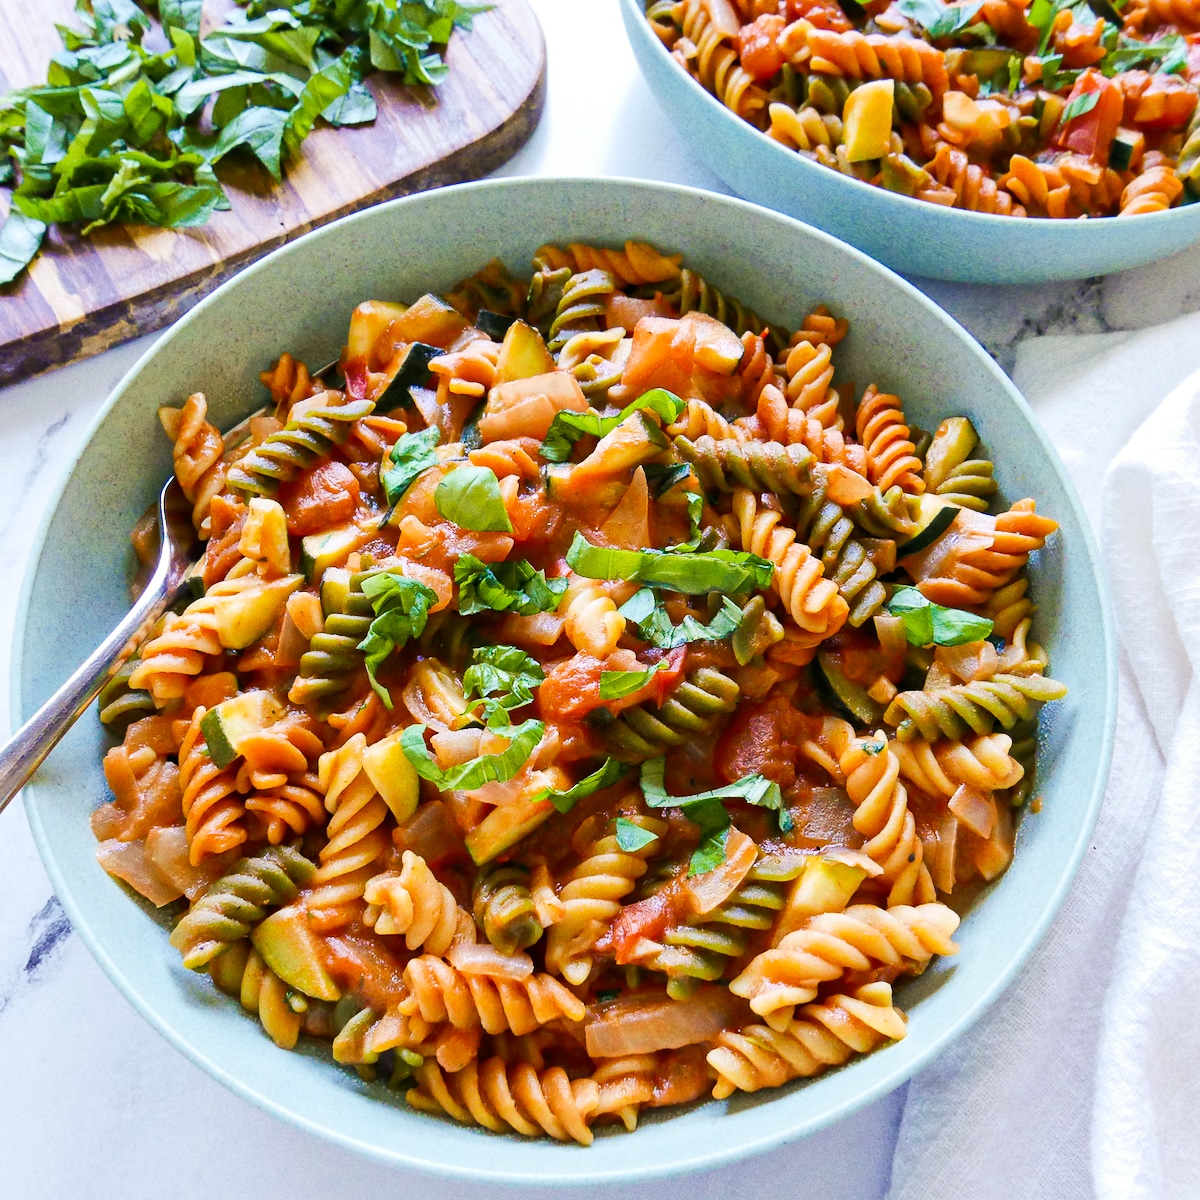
(300, 298)
(908, 235)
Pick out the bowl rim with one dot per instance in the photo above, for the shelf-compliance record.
(702, 1158)
(636, 16)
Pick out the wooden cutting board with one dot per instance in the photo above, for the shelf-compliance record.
(82, 295)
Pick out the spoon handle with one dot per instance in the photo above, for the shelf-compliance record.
(25, 751)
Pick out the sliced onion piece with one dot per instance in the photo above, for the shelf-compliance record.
(714, 887)
(487, 960)
(127, 861)
(167, 853)
(974, 809)
(644, 1024)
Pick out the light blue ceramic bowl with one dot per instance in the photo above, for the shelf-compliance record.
(299, 299)
(908, 235)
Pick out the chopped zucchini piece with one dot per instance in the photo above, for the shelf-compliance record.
(430, 320)
(1124, 146)
(952, 445)
(495, 325)
(933, 517)
(227, 726)
(290, 948)
(412, 371)
(320, 551)
(335, 590)
(368, 323)
(394, 777)
(848, 696)
(504, 827)
(523, 355)
(243, 617)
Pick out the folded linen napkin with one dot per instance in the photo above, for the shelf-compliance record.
(1083, 1080)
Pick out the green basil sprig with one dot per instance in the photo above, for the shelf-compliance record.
(632, 838)
(413, 454)
(568, 427)
(513, 586)
(929, 624)
(401, 612)
(693, 573)
(644, 611)
(470, 497)
(487, 768)
(604, 776)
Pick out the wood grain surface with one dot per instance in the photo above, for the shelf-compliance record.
(82, 295)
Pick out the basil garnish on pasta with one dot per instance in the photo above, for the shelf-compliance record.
(929, 624)
(632, 838)
(604, 776)
(475, 772)
(412, 454)
(940, 20)
(470, 497)
(692, 573)
(645, 612)
(568, 427)
(502, 676)
(401, 611)
(514, 586)
(616, 685)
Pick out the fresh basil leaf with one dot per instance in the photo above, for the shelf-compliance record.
(714, 837)
(412, 454)
(605, 776)
(470, 497)
(1041, 17)
(505, 670)
(487, 768)
(356, 107)
(512, 586)
(937, 19)
(651, 623)
(117, 20)
(20, 239)
(401, 611)
(728, 571)
(192, 96)
(1170, 52)
(325, 87)
(662, 477)
(1079, 105)
(753, 789)
(259, 130)
(181, 14)
(616, 685)
(568, 427)
(632, 838)
(929, 624)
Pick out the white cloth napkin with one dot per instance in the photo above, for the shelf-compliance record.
(1083, 1080)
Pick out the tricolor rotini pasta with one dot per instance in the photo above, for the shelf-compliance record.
(1007, 107)
(554, 754)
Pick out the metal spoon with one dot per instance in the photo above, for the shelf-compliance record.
(28, 748)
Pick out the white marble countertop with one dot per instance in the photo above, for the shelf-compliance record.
(138, 1121)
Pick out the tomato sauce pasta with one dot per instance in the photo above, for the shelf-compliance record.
(584, 704)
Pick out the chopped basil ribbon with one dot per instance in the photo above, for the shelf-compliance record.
(645, 613)
(929, 624)
(1081, 104)
(410, 456)
(714, 825)
(129, 125)
(753, 789)
(632, 838)
(616, 685)
(470, 497)
(1170, 51)
(487, 768)
(682, 571)
(605, 776)
(937, 19)
(401, 611)
(707, 811)
(505, 670)
(505, 587)
(568, 427)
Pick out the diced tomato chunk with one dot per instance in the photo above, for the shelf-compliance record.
(759, 740)
(1092, 132)
(758, 46)
(571, 688)
(649, 919)
(318, 499)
